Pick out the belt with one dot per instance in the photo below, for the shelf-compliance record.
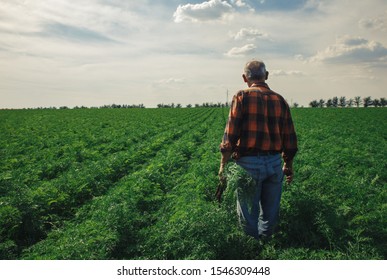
(260, 153)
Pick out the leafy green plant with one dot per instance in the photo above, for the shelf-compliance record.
(140, 184)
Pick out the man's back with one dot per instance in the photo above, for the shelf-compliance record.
(259, 121)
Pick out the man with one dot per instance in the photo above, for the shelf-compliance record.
(259, 130)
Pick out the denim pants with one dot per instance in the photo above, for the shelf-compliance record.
(258, 197)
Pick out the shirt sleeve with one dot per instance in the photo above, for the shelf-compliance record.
(233, 126)
(289, 137)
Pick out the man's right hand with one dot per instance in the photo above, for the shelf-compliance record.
(288, 171)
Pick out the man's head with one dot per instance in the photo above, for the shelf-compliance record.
(255, 71)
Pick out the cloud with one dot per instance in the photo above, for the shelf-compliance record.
(168, 83)
(95, 20)
(311, 5)
(280, 4)
(353, 41)
(206, 11)
(171, 81)
(106, 50)
(249, 34)
(242, 4)
(373, 23)
(74, 33)
(218, 9)
(352, 50)
(241, 51)
(286, 73)
(239, 3)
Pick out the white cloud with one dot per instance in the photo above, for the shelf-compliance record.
(241, 51)
(243, 4)
(171, 81)
(240, 3)
(34, 17)
(249, 34)
(286, 73)
(353, 50)
(206, 11)
(299, 57)
(313, 4)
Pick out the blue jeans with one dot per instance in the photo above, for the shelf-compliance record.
(259, 194)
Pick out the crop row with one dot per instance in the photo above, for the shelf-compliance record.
(32, 205)
(115, 225)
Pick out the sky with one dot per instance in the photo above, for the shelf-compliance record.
(100, 52)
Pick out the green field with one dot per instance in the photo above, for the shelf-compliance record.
(140, 183)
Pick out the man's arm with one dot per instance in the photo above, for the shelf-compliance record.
(223, 161)
(289, 141)
(231, 132)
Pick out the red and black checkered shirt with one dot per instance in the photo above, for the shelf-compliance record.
(259, 121)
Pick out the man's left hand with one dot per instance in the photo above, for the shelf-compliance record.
(222, 183)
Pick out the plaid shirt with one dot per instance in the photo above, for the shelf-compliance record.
(259, 121)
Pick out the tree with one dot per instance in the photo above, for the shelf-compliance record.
(350, 102)
(335, 101)
(367, 101)
(377, 103)
(329, 103)
(321, 103)
(382, 102)
(314, 104)
(342, 102)
(357, 101)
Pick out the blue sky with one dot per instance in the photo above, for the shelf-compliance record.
(96, 52)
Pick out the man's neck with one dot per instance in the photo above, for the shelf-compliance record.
(255, 83)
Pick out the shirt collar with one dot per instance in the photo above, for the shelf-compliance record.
(260, 84)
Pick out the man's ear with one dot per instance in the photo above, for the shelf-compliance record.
(267, 75)
(245, 78)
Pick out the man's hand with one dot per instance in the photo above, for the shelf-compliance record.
(222, 183)
(288, 171)
(222, 177)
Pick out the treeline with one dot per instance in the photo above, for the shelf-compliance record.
(110, 106)
(335, 102)
(125, 106)
(344, 102)
(203, 105)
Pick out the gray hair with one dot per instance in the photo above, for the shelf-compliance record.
(255, 70)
